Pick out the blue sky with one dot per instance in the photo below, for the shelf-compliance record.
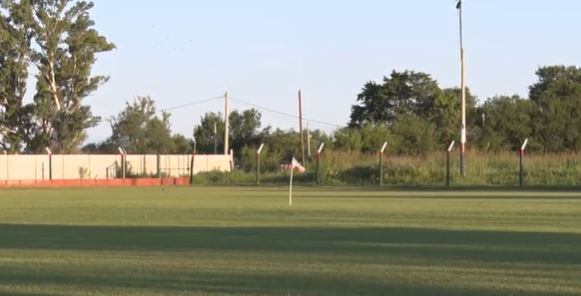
(183, 51)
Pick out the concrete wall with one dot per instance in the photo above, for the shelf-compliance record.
(99, 167)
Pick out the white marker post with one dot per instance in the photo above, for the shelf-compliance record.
(258, 152)
(49, 152)
(301, 169)
(123, 153)
(448, 152)
(381, 153)
(521, 163)
(319, 152)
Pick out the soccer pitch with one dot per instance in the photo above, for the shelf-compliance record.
(247, 241)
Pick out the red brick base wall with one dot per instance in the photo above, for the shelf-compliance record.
(183, 181)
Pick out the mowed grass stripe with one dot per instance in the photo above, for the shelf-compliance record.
(246, 241)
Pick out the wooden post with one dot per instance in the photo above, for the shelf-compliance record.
(158, 164)
(318, 168)
(192, 162)
(448, 169)
(226, 125)
(380, 169)
(257, 168)
(301, 131)
(50, 167)
(521, 171)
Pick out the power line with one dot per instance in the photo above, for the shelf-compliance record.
(285, 114)
(192, 104)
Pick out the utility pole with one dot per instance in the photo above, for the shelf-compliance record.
(301, 131)
(226, 125)
(463, 132)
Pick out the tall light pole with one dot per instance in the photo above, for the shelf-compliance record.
(226, 125)
(463, 94)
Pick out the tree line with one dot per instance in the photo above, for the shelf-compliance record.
(417, 115)
(55, 42)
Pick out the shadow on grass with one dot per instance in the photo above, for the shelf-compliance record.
(353, 245)
(485, 246)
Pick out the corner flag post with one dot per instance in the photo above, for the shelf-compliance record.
(295, 165)
(290, 191)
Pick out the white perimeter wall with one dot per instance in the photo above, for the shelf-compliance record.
(70, 167)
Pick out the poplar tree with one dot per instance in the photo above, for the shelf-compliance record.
(62, 46)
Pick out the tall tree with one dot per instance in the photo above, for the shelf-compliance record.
(15, 39)
(557, 95)
(64, 50)
(210, 131)
(406, 92)
(507, 121)
(139, 129)
(244, 130)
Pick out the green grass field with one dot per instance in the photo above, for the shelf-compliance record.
(247, 241)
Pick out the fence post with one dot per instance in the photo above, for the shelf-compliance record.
(448, 152)
(49, 163)
(521, 163)
(192, 163)
(158, 164)
(381, 153)
(258, 152)
(319, 152)
(123, 154)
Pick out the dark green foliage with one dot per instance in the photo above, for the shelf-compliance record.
(418, 114)
(139, 129)
(14, 64)
(557, 96)
(506, 123)
(369, 138)
(402, 93)
(244, 131)
(210, 129)
(413, 135)
(59, 40)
